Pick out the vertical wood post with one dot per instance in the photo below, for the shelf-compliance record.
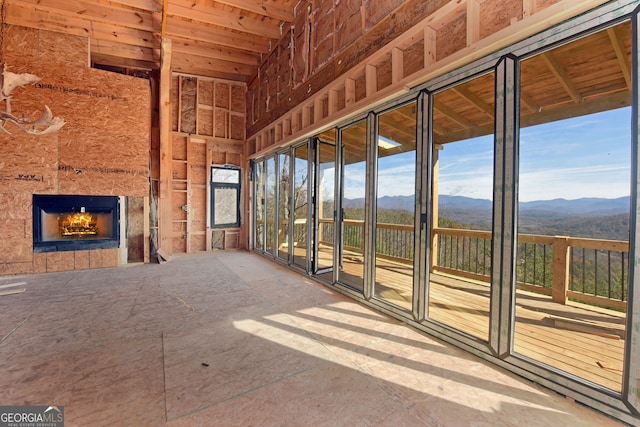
(434, 205)
(560, 284)
(165, 225)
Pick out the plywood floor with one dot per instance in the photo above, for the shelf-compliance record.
(234, 339)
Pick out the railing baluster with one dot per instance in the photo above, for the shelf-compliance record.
(584, 269)
(595, 267)
(609, 272)
(623, 293)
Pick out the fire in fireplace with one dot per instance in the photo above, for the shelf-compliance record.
(66, 223)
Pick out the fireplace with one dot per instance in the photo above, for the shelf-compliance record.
(71, 223)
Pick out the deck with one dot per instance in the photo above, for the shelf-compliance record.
(580, 339)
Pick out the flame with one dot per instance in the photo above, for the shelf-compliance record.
(78, 225)
(77, 220)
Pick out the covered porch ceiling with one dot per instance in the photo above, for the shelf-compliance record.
(590, 75)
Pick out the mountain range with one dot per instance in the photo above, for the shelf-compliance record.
(586, 217)
(583, 207)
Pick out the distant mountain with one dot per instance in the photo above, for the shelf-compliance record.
(582, 207)
(586, 217)
(585, 206)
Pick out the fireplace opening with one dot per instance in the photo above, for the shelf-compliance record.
(66, 223)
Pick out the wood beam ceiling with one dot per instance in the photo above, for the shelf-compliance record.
(225, 39)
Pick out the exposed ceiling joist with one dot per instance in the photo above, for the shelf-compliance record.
(225, 39)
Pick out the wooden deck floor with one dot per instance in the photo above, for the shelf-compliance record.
(579, 339)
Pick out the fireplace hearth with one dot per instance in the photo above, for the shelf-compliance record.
(71, 223)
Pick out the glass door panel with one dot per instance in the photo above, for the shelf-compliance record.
(353, 144)
(259, 206)
(395, 208)
(284, 207)
(462, 206)
(324, 225)
(270, 205)
(572, 253)
(300, 204)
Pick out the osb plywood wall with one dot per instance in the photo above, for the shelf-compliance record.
(208, 123)
(338, 54)
(102, 150)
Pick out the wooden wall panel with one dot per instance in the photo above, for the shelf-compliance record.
(205, 92)
(39, 263)
(103, 258)
(237, 131)
(301, 44)
(221, 119)
(349, 20)
(188, 102)
(237, 102)
(284, 65)
(82, 260)
(323, 32)
(175, 102)
(61, 261)
(103, 149)
(135, 229)
(179, 244)
(452, 37)
(205, 121)
(498, 14)
(179, 146)
(198, 209)
(198, 243)
(376, 10)
(413, 57)
(223, 94)
(16, 229)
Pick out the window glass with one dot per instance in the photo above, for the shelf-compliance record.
(572, 256)
(225, 197)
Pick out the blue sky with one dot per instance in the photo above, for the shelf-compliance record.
(587, 156)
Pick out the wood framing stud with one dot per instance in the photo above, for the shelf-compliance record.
(349, 92)
(333, 102)
(473, 22)
(371, 77)
(397, 65)
(429, 46)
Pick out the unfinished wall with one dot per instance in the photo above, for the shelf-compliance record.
(345, 56)
(102, 150)
(208, 123)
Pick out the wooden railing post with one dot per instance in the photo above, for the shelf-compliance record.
(560, 283)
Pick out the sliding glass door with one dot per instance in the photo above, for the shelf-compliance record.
(324, 209)
(353, 155)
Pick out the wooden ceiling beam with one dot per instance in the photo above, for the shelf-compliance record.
(110, 48)
(268, 9)
(118, 61)
(24, 15)
(618, 47)
(563, 78)
(91, 11)
(149, 5)
(458, 118)
(205, 33)
(184, 61)
(201, 13)
(214, 51)
(474, 100)
(527, 101)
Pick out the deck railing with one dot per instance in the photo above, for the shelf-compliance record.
(593, 271)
